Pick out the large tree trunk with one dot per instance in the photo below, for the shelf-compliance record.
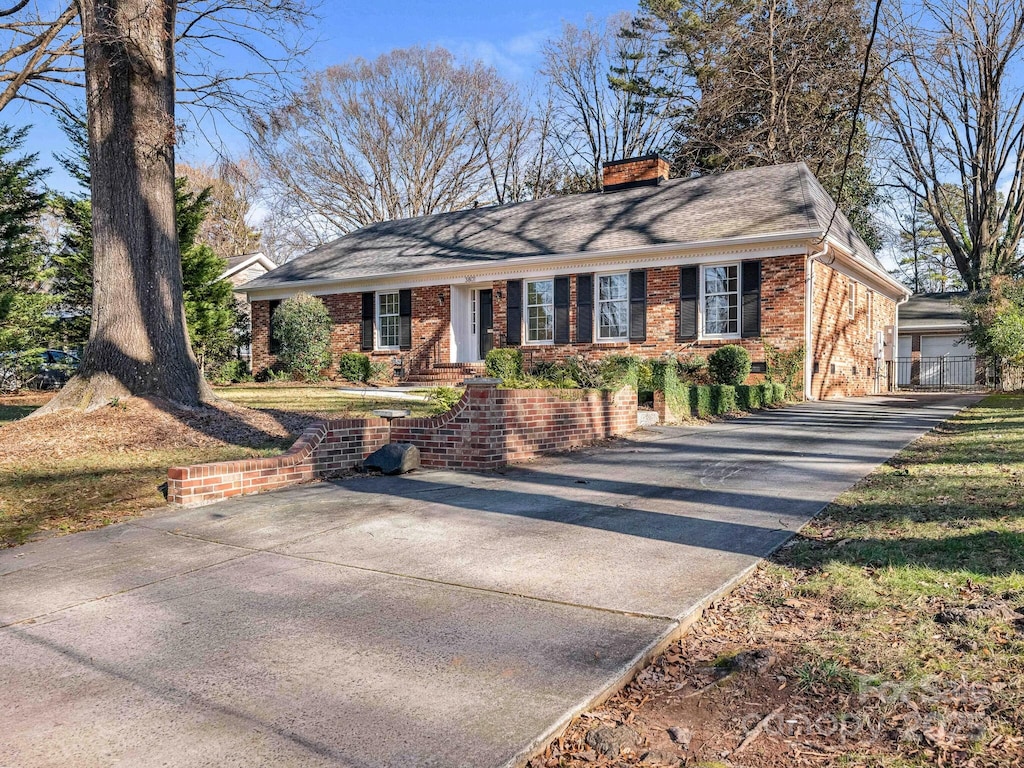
(138, 343)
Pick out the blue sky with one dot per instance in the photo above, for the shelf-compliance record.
(505, 35)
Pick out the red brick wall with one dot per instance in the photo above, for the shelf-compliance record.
(842, 348)
(782, 317)
(431, 340)
(487, 429)
(325, 448)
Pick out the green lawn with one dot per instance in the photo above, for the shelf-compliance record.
(898, 613)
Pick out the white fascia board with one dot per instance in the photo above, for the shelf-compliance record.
(855, 267)
(672, 254)
(256, 258)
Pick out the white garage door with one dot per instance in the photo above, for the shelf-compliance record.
(946, 362)
(903, 361)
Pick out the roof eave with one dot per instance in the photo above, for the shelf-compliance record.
(502, 265)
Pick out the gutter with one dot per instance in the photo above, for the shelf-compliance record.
(809, 316)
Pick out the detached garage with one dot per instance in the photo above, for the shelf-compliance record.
(930, 351)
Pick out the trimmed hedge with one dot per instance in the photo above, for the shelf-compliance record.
(700, 401)
(729, 365)
(723, 399)
(780, 391)
(767, 393)
(665, 378)
(749, 397)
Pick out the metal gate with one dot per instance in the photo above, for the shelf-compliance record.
(939, 373)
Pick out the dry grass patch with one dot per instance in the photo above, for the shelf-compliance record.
(890, 633)
(72, 471)
(320, 401)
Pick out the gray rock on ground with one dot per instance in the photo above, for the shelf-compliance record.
(394, 459)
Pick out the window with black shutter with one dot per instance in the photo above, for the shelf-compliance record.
(584, 309)
(689, 295)
(366, 329)
(561, 310)
(638, 305)
(750, 284)
(514, 312)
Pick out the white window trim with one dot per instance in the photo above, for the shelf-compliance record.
(598, 338)
(526, 312)
(701, 305)
(851, 300)
(377, 346)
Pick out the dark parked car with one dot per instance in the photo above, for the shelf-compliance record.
(49, 369)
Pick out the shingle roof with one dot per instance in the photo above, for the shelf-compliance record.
(757, 201)
(931, 309)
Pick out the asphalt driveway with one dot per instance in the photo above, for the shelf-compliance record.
(437, 619)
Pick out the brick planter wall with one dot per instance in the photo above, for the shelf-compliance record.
(486, 429)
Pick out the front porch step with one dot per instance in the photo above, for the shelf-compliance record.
(446, 374)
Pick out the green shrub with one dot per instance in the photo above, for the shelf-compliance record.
(586, 373)
(767, 391)
(748, 397)
(555, 375)
(723, 399)
(505, 364)
(354, 366)
(700, 401)
(783, 366)
(694, 368)
(781, 392)
(232, 372)
(302, 328)
(618, 371)
(442, 399)
(729, 365)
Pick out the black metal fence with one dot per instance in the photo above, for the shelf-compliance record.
(953, 373)
(940, 373)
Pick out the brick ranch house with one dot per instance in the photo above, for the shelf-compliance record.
(650, 266)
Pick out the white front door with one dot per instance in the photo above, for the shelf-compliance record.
(465, 324)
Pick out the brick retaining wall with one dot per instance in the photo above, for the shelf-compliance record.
(486, 429)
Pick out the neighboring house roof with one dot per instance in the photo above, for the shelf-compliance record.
(932, 311)
(770, 201)
(244, 261)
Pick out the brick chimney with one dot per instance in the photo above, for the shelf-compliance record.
(648, 170)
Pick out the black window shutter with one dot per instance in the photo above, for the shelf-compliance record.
(750, 317)
(688, 297)
(638, 305)
(405, 319)
(514, 314)
(561, 310)
(366, 338)
(584, 309)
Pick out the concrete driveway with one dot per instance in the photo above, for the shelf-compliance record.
(437, 619)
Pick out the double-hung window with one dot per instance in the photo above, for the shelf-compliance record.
(613, 307)
(387, 320)
(721, 300)
(540, 310)
(853, 300)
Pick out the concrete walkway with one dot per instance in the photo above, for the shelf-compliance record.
(438, 619)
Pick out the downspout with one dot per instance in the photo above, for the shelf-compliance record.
(809, 317)
(895, 342)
